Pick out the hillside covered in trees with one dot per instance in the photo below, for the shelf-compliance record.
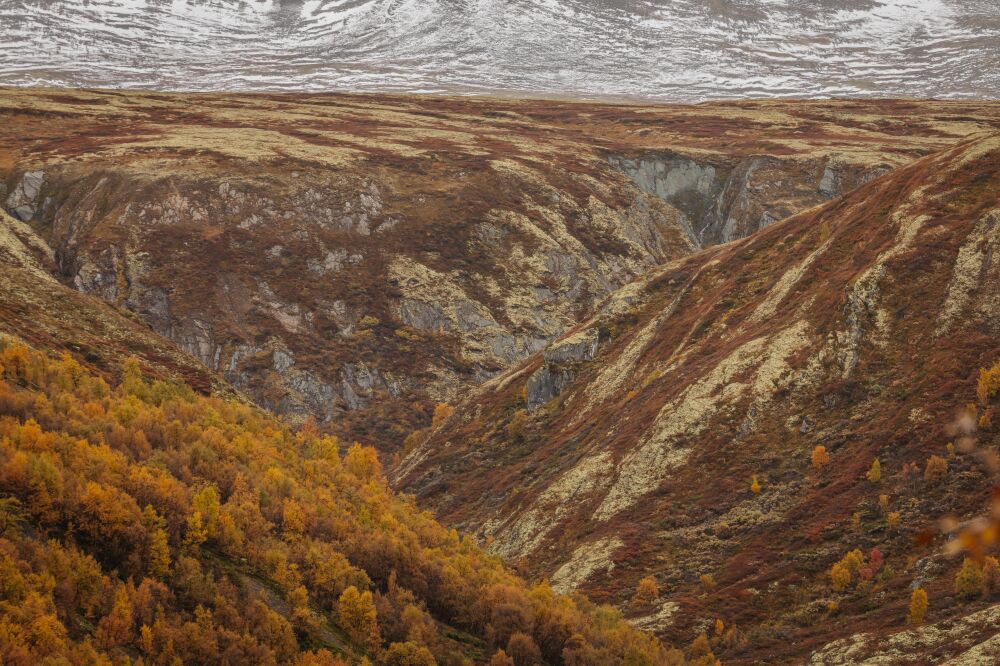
(144, 523)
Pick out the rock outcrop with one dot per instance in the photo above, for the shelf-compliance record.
(558, 370)
(37, 308)
(23, 201)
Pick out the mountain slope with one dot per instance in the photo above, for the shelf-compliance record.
(628, 448)
(143, 523)
(684, 50)
(39, 309)
(359, 258)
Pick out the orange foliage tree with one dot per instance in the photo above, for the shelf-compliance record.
(820, 458)
(918, 606)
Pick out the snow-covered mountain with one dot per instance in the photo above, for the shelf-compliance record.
(661, 49)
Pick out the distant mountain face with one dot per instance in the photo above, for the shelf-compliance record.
(680, 50)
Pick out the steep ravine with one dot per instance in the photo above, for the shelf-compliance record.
(358, 259)
(257, 279)
(113, 233)
(672, 434)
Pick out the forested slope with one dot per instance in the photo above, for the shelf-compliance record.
(144, 523)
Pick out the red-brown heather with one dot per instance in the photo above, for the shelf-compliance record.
(733, 360)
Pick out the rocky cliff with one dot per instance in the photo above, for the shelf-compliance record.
(734, 198)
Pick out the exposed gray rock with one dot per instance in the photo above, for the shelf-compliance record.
(829, 184)
(561, 361)
(311, 395)
(693, 187)
(332, 262)
(195, 337)
(423, 316)
(546, 383)
(673, 178)
(726, 202)
(359, 383)
(580, 346)
(282, 360)
(23, 200)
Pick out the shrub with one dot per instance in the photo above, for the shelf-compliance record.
(408, 654)
(318, 658)
(883, 504)
(441, 413)
(875, 472)
(820, 458)
(840, 577)
(368, 321)
(989, 383)
(969, 579)
(413, 440)
(158, 555)
(754, 485)
(196, 533)
(991, 576)
(500, 659)
(515, 429)
(824, 231)
(362, 462)
(646, 592)
(700, 650)
(707, 581)
(936, 470)
(523, 650)
(854, 561)
(918, 606)
(116, 627)
(850, 565)
(357, 615)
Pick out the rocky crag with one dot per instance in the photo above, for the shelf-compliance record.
(47, 314)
